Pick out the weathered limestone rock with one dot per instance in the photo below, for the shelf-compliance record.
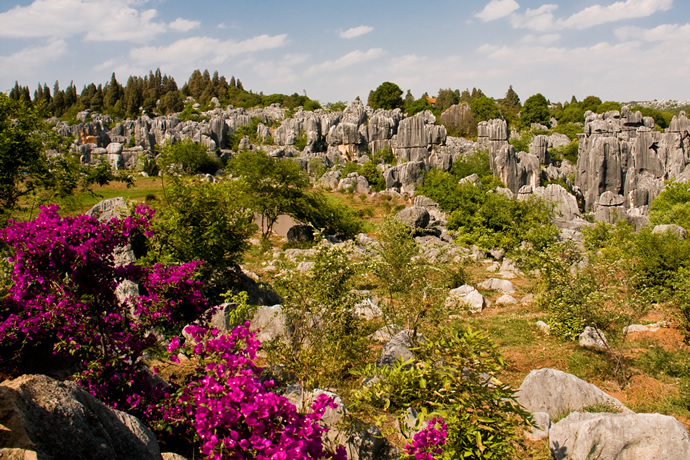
(405, 176)
(355, 183)
(398, 348)
(495, 284)
(583, 436)
(466, 295)
(542, 427)
(48, 419)
(557, 393)
(414, 217)
(270, 321)
(671, 228)
(515, 169)
(593, 338)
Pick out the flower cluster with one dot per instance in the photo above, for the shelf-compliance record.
(234, 413)
(64, 297)
(429, 440)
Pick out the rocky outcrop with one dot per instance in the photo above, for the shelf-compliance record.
(582, 436)
(492, 135)
(622, 154)
(46, 419)
(417, 136)
(414, 217)
(405, 176)
(557, 393)
(515, 169)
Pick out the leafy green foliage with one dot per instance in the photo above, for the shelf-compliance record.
(327, 340)
(565, 152)
(448, 378)
(188, 157)
(272, 186)
(385, 155)
(521, 144)
(535, 110)
(22, 159)
(484, 108)
(203, 221)
(415, 286)
(672, 206)
(387, 96)
(327, 214)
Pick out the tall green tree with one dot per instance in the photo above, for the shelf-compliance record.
(387, 96)
(535, 110)
(273, 186)
(22, 157)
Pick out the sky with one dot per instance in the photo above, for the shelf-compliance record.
(621, 50)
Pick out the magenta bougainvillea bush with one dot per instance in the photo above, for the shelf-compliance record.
(234, 413)
(63, 297)
(428, 443)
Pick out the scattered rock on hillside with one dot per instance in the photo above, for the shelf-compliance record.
(495, 284)
(45, 418)
(671, 228)
(466, 295)
(506, 299)
(583, 436)
(557, 393)
(414, 217)
(541, 428)
(398, 348)
(300, 234)
(271, 323)
(108, 209)
(543, 327)
(386, 333)
(593, 338)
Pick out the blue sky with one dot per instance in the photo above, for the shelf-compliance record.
(618, 50)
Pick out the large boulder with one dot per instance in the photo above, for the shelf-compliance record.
(557, 393)
(398, 348)
(495, 284)
(414, 217)
(604, 436)
(466, 295)
(47, 419)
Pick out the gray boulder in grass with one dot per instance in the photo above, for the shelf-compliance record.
(557, 393)
(584, 436)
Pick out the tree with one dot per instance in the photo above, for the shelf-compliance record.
(203, 221)
(511, 100)
(273, 186)
(484, 108)
(535, 110)
(387, 96)
(445, 98)
(189, 156)
(22, 159)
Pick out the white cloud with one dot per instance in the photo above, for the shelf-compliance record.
(184, 25)
(100, 20)
(497, 9)
(221, 25)
(26, 61)
(349, 59)
(540, 39)
(540, 19)
(661, 33)
(200, 50)
(356, 32)
(629, 9)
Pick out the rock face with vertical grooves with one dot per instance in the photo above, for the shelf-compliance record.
(56, 420)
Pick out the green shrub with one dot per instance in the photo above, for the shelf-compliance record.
(190, 157)
(301, 141)
(385, 155)
(327, 340)
(202, 221)
(373, 175)
(521, 144)
(566, 152)
(570, 129)
(448, 379)
(672, 206)
(350, 167)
